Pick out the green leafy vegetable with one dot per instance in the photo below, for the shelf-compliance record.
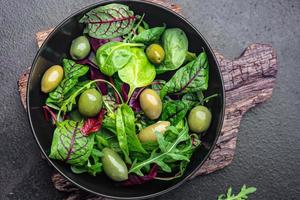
(93, 165)
(174, 111)
(242, 195)
(126, 132)
(129, 123)
(139, 72)
(105, 138)
(121, 135)
(193, 99)
(72, 72)
(175, 44)
(108, 21)
(113, 56)
(70, 145)
(168, 152)
(150, 35)
(192, 77)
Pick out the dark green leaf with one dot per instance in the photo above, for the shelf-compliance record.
(174, 111)
(175, 44)
(72, 72)
(193, 77)
(149, 36)
(109, 21)
(70, 145)
(168, 152)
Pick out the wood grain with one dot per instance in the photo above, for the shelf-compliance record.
(249, 80)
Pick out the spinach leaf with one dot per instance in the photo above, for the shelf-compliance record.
(175, 44)
(93, 166)
(113, 56)
(108, 21)
(150, 35)
(72, 72)
(129, 123)
(169, 151)
(139, 72)
(121, 135)
(70, 145)
(174, 111)
(192, 77)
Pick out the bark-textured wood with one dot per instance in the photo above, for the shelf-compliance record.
(249, 80)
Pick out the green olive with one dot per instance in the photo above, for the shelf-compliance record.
(155, 53)
(151, 103)
(80, 48)
(90, 103)
(148, 133)
(199, 119)
(113, 165)
(52, 78)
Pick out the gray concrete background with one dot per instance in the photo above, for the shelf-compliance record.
(268, 148)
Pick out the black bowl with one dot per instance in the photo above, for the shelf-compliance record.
(56, 47)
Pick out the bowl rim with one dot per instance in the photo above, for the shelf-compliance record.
(221, 117)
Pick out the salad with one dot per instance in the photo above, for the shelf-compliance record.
(129, 101)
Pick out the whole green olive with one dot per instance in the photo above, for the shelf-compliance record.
(199, 119)
(148, 133)
(80, 48)
(113, 165)
(151, 103)
(155, 53)
(52, 78)
(90, 103)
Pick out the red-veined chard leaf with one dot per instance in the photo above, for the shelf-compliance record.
(192, 77)
(72, 71)
(174, 111)
(108, 21)
(70, 145)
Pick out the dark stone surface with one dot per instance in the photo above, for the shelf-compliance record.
(268, 149)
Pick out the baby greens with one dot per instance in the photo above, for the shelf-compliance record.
(127, 81)
(108, 21)
(175, 44)
(192, 77)
(113, 56)
(69, 145)
(139, 72)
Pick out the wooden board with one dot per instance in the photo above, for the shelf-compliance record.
(249, 80)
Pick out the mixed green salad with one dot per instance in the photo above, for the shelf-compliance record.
(129, 101)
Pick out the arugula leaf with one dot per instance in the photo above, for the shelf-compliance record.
(175, 44)
(113, 56)
(139, 72)
(174, 111)
(108, 21)
(193, 77)
(72, 72)
(69, 145)
(242, 195)
(150, 35)
(167, 152)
